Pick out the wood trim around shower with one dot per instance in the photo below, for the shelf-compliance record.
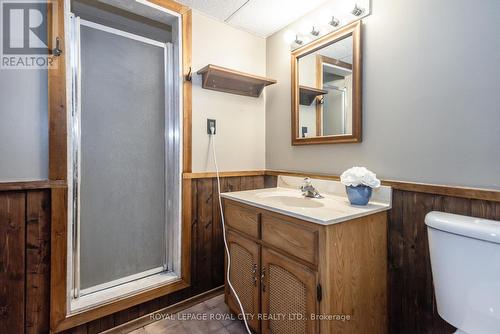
(58, 159)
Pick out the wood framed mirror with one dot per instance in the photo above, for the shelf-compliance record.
(326, 89)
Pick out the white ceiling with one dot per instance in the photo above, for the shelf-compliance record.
(259, 17)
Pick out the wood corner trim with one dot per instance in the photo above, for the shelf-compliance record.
(57, 107)
(187, 87)
(445, 190)
(32, 185)
(204, 175)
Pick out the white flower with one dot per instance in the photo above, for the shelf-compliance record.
(356, 176)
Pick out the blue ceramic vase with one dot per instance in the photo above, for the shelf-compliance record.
(359, 195)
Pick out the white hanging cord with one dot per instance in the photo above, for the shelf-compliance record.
(212, 136)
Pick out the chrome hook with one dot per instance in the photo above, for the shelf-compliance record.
(57, 50)
(189, 76)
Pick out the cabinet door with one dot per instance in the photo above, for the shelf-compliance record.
(244, 277)
(288, 295)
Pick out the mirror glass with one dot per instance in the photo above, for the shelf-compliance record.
(325, 79)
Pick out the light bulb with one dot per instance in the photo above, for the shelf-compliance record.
(357, 10)
(334, 22)
(314, 31)
(306, 39)
(298, 40)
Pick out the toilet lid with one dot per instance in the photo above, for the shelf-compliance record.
(477, 228)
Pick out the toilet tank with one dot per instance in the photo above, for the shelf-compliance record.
(465, 260)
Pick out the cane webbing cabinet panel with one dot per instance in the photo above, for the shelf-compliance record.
(290, 293)
(244, 272)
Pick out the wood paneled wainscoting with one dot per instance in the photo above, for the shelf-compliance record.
(25, 255)
(24, 261)
(25, 251)
(412, 303)
(207, 252)
(412, 306)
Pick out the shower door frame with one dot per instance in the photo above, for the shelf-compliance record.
(59, 114)
(84, 298)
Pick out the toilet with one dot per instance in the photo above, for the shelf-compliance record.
(465, 260)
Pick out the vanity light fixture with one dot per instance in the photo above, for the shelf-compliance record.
(326, 22)
(334, 22)
(357, 11)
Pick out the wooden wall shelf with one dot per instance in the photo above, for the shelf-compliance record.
(308, 94)
(234, 82)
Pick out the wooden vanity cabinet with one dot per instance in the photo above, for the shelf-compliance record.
(297, 277)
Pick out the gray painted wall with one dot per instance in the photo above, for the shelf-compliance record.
(431, 106)
(23, 125)
(24, 112)
(430, 97)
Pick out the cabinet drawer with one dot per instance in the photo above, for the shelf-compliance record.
(296, 239)
(242, 219)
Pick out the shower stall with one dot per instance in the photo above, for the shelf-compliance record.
(334, 110)
(125, 152)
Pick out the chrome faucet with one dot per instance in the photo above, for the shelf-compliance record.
(308, 190)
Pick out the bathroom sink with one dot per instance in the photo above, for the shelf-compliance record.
(275, 193)
(287, 199)
(293, 201)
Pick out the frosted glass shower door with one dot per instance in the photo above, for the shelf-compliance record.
(120, 159)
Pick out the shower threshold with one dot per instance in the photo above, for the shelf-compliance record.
(103, 295)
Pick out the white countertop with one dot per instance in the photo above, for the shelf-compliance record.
(334, 208)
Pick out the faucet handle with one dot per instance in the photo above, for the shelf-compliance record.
(307, 185)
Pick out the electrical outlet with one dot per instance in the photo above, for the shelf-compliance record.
(211, 123)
